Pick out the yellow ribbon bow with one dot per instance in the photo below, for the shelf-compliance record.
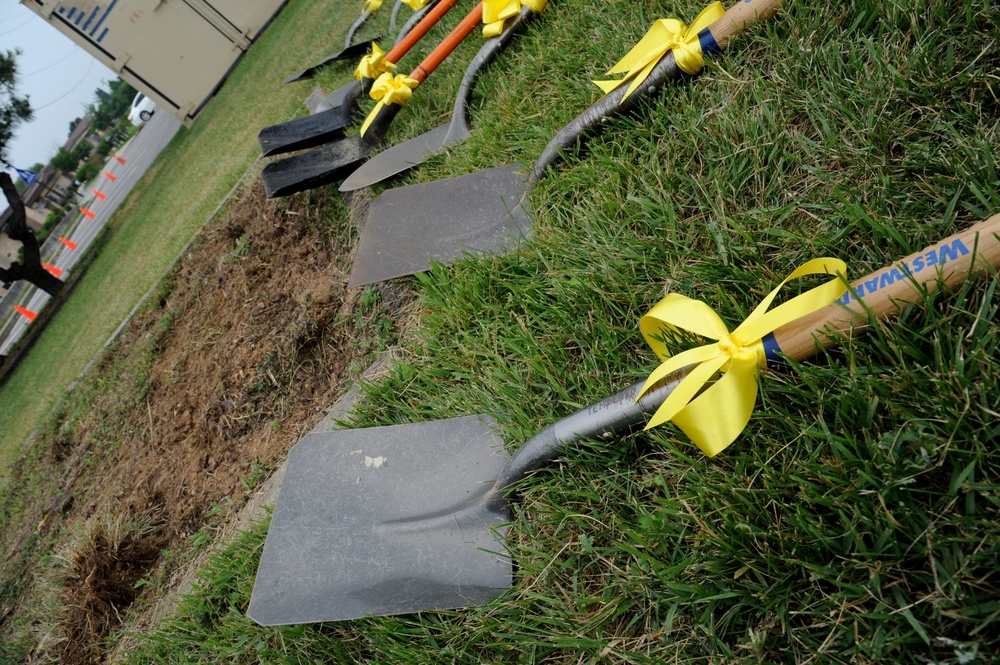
(665, 35)
(495, 12)
(389, 89)
(373, 65)
(371, 6)
(414, 4)
(713, 419)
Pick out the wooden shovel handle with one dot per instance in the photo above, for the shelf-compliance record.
(739, 15)
(885, 292)
(448, 44)
(419, 30)
(951, 261)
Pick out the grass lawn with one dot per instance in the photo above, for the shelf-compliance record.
(857, 519)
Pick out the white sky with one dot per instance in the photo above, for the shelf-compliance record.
(58, 76)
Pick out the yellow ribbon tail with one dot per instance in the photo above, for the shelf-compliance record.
(389, 89)
(686, 391)
(607, 86)
(414, 4)
(714, 419)
(673, 363)
(371, 118)
(371, 6)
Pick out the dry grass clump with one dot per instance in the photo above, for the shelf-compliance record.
(92, 580)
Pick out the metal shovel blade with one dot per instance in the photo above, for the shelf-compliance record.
(352, 52)
(316, 129)
(408, 227)
(383, 521)
(401, 157)
(317, 167)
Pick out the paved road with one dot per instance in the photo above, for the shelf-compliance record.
(138, 155)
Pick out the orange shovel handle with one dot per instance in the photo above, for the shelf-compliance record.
(419, 30)
(448, 44)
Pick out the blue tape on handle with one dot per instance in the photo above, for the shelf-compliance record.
(772, 352)
(708, 44)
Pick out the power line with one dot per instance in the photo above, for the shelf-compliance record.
(46, 67)
(18, 27)
(66, 94)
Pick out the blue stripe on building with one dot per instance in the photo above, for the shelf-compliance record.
(91, 17)
(103, 16)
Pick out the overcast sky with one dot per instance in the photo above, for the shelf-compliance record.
(58, 76)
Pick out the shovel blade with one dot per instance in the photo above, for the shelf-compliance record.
(319, 166)
(383, 521)
(352, 52)
(401, 157)
(408, 227)
(315, 129)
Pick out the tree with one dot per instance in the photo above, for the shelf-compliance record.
(90, 170)
(18, 229)
(13, 109)
(65, 161)
(110, 106)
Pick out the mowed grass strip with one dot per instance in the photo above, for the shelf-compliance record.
(858, 517)
(182, 188)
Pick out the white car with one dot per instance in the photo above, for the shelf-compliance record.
(142, 110)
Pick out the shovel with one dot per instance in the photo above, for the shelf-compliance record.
(408, 227)
(407, 518)
(331, 162)
(340, 104)
(417, 150)
(349, 52)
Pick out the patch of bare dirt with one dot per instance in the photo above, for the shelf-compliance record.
(254, 337)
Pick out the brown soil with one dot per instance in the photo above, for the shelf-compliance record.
(205, 393)
(101, 578)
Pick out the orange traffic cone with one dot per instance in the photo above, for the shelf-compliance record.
(86, 212)
(120, 160)
(68, 243)
(26, 313)
(56, 272)
(98, 194)
(110, 177)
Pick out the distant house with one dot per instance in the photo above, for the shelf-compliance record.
(82, 132)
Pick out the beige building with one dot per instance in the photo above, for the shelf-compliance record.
(177, 53)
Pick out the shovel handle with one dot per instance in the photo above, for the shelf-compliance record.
(429, 20)
(882, 294)
(448, 44)
(380, 123)
(713, 39)
(947, 263)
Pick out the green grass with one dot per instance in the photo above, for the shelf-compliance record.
(170, 203)
(857, 519)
